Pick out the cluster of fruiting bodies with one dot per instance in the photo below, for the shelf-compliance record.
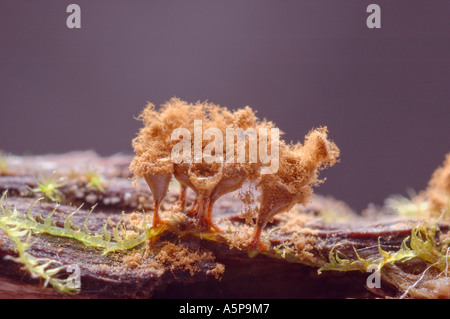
(299, 164)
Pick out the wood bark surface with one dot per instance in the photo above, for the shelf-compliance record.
(106, 276)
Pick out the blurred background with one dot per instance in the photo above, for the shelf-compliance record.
(383, 93)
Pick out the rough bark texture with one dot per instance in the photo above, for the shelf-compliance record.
(244, 277)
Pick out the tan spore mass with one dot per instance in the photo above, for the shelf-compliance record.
(438, 191)
(292, 184)
(297, 174)
(181, 257)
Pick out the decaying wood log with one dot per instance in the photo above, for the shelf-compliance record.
(179, 262)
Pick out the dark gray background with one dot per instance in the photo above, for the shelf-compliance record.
(384, 94)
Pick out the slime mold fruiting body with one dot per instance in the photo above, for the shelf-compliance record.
(291, 184)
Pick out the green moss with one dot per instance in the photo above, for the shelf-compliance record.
(417, 206)
(425, 247)
(49, 187)
(283, 250)
(405, 206)
(422, 244)
(95, 180)
(120, 241)
(45, 268)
